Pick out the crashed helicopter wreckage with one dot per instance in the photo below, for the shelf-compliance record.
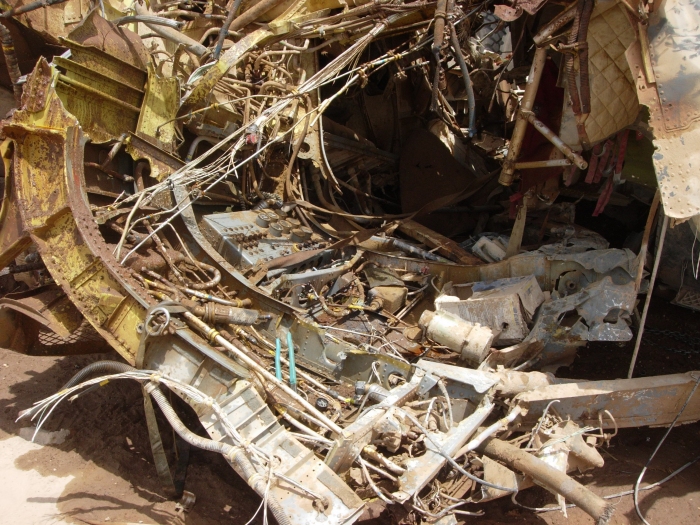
(255, 206)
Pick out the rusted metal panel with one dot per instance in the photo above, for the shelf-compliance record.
(13, 239)
(160, 105)
(55, 214)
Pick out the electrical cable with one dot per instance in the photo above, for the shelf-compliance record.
(641, 474)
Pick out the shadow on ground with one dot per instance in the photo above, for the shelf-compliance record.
(108, 451)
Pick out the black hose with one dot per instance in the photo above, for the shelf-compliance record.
(98, 367)
(465, 75)
(224, 28)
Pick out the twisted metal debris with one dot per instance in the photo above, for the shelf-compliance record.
(335, 230)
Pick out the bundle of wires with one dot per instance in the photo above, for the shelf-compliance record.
(244, 454)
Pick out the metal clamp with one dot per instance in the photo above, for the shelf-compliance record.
(152, 326)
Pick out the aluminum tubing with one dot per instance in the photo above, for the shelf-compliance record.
(557, 142)
(528, 101)
(551, 479)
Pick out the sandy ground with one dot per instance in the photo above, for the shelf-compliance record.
(103, 470)
(27, 496)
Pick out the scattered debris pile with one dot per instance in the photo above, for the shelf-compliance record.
(351, 235)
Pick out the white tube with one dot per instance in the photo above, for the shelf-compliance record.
(488, 432)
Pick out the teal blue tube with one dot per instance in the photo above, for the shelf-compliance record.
(292, 364)
(278, 362)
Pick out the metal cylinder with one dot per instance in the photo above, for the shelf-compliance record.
(301, 234)
(276, 230)
(285, 225)
(262, 220)
(221, 314)
(471, 340)
(549, 477)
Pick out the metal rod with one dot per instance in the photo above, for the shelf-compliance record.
(551, 163)
(558, 143)
(652, 279)
(645, 239)
(292, 363)
(516, 140)
(528, 101)
(555, 25)
(278, 359)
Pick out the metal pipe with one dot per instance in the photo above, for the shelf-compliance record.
(556, 24)
(381, 472)
(261, 56)
(215, 30)
(516, 139)
(549, 477)
(488, 432)
(149, 20)
(214, 299)
(377, 456)
(30, 7)
(414, 250)
(645, 239)
(304, 429)
(438, 38)
(213, 271)
(292, 363)
(196, 142)
(252, 14)
(652, 280)
(551, 163)
(177, 13)
(558, 143)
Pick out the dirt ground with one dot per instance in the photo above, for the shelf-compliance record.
(103, 472)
